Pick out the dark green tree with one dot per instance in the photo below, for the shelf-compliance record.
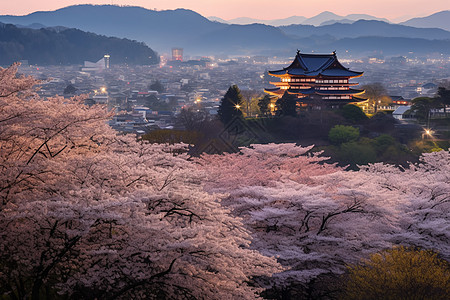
(231, 105)
(343, 134)
(443, 97)
(156, 86)
(263, 105)
(286, 105)
(422, 106)
(353, 113)
(70, 89)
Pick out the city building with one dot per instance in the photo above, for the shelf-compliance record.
(100, 65)
(177, 54)
(316, 79)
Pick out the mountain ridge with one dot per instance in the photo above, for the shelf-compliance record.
(315, 20)
(436, 20)
(66, 46)
(163, 30)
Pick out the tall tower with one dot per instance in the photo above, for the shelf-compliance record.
(106, 57)
(177, 54)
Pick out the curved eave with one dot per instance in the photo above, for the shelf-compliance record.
(277, 73)
(359, 99)
(274, 91)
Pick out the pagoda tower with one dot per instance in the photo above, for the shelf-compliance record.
(317, 79)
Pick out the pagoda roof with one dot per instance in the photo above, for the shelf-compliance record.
(314, 65)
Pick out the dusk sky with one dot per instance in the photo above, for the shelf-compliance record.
(261, 9)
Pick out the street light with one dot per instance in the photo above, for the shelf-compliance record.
(427, 132)
(272, 108)
(237, 106)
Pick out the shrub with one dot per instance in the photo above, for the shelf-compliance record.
(353, 113)
(354, 153)
(400, 273)
(342, 134)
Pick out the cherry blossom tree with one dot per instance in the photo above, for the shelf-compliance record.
(317, 218)
(313, 216)
(421, 194)
(88, 213)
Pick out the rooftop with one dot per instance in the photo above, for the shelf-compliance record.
(314, 65)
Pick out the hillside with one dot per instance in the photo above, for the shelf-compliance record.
(317, 20)
(68, 46)
(366, 28)
(164, 30)
(437, 20)
(160, 29)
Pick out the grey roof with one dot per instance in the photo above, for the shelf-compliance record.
(401, 110)
(315, 65)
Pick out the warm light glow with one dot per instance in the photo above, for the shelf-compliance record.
(272, 105)
(428, 132)
(237, 106)
(103, 90)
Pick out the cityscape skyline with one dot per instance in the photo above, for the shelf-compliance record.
(395, 11)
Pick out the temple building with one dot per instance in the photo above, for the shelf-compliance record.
(317, 80)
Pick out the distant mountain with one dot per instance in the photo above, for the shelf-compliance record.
(328, 16)
(246, 21)
(390, 46)
(324, 17)
(32, 26)
(352, 18)
(68, 46)
(288, 21)
(342, 21)
(366, 28)
(320, 18)
(244, 39)
(217, 19)
(438, 20)
(356, 17)
(163, 30)
(275, 22)
(160, 29)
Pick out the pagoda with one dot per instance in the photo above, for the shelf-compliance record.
(317, 79)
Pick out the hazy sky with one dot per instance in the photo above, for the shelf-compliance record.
(260, 9)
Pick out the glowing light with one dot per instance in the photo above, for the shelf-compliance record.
(237, 106)
(103, 90)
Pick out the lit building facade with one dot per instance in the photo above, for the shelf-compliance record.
(177, 54)
(317, 79)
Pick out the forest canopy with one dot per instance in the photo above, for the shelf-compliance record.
(53, 46)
